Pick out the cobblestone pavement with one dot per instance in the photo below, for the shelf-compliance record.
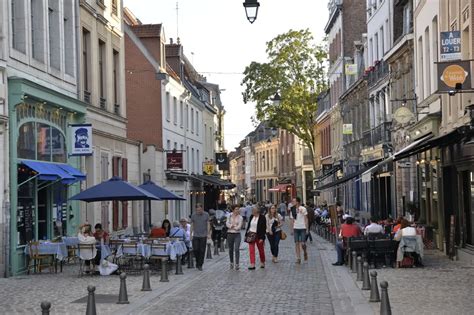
(279, 288)
(441, 287)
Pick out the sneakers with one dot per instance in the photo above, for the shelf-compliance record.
(252, 267)
(237, 267)
(262, 266)
(298, 260)
(199, 268)
(231, 266)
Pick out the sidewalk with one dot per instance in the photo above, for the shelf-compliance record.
(441, 287)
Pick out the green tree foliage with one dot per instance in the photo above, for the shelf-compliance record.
(295, 70)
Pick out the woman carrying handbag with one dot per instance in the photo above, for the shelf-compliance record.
(274, 223)
(255, 235)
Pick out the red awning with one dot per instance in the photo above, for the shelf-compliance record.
(279, 188)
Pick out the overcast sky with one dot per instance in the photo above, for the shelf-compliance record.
(220, 42)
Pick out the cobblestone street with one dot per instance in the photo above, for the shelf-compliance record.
(315, 287)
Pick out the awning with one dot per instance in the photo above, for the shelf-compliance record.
(55, 171)
(329, 173)
(341, 180)
(279, 188)
(215, 181)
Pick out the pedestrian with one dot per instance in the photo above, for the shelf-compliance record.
(282, 209)
(201, 234)
(348, 229)
(299, 225)
(243, 214)
(234, 224)
(274, 223)
(311, 219)
(255, 235)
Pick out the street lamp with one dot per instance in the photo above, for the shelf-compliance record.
(251, 9)
(276, 99)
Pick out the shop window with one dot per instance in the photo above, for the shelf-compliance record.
(26, 207)
(26, 141)
(38, 141)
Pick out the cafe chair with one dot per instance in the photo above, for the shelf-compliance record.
(85, 252)
(158, 252)
(35, 260)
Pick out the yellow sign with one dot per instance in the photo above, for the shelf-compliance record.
(453, 74)
(208, 168)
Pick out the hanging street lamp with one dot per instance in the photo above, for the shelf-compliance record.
(251, 9)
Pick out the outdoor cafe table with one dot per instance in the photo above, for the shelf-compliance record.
(57, 250)
(173, 249)
(74, 241)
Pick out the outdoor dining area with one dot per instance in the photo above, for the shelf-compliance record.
(94, 252)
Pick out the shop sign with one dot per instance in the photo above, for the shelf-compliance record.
(208, 167)
(351, 69)
(347, 129)
(222, 161)
(81, 136)
(450, 46)
(452, 73)
(403, 115)
(174, 160)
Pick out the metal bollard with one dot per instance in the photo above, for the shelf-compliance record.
(90, 310)
(359, 268)
(385, 308)
(354, 262)
(164, 271)
(216, 249)
(146, 278)
(123, 296)
(221, 246)
(208, 251)
(45, 307)
(374, 288)
(190, 259)
(179, 267)
(365, 276)
(349, 260)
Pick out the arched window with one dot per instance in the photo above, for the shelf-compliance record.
(39, 141)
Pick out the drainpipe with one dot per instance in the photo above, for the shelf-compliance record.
(140, 177)
(6, 203)
(78, 49)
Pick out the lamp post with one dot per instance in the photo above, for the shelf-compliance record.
(251, 10)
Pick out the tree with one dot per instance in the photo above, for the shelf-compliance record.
(295, 70)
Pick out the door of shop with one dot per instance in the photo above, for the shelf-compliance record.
(468, 207)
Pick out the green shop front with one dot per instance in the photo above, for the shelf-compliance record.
(43, 174)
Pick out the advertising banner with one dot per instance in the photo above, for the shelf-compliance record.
(450, 46)
(81, 135)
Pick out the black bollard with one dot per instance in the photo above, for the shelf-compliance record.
(359, 268)
(179, 267)
(45, 307)
(216, 249)
(90, 310)
(190, 259)
(385, 308)
(354, 262)
(164, 271)
(146, 278)
(349, 260)
(208, 251)
(221, 246)
(374, 288)
(365, 276)
(123, 296)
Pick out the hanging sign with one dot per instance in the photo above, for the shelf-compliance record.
(347, 129)
(452, 73)
(208, 167)
(222, 161)
(450, 46)
(81, 136)
(174, 160)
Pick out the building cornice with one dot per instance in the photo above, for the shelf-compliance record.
(107, 114)
(115, 137)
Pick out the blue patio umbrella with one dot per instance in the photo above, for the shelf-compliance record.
(160, 192)
(114, 189)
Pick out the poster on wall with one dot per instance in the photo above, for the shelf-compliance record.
(81, 139)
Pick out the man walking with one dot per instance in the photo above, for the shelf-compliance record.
(282, 209)
(201, 233)
(299, 225)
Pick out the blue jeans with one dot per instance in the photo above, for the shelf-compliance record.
(340, 252)
(274, 242)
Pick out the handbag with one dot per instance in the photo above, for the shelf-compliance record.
(250, 237)
(283, 235)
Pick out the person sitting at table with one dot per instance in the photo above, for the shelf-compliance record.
(348, 229)
(167, 226)
(187, 228)
(409, 243)
(157, 231)
(373, 228)
(177, 231)
(405, 230)
(86, 237)
(397, 225)
(100, 234)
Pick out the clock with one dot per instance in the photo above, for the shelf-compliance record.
(403, 115)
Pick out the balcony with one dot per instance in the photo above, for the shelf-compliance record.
(87, 97)
(117, 109)
(103, 103)
(376, 73)
(377, 135)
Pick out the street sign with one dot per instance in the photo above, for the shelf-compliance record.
(450, 46)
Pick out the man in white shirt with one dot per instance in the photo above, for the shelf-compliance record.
(299, 225)
(373, 228)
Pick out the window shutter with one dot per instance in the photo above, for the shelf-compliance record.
(115, 204)
(125, 203)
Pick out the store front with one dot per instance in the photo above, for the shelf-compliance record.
(43, 174)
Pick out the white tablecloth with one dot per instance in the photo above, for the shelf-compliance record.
(173, 249)
(48, 248)
(74, 241)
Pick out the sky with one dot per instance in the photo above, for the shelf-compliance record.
(220, 42)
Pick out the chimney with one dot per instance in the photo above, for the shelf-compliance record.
(171, 41)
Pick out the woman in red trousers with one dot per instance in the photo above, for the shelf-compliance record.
(255, 235)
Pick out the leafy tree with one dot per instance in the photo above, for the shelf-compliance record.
(295, 70)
